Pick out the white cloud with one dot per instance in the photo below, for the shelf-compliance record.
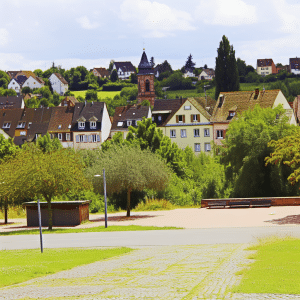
(86, 23)
(156, 19)
(288, 16)
(226, 13)
(3, 36)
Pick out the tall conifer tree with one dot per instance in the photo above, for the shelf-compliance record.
(227, 75)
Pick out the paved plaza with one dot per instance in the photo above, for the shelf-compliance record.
(204, 269)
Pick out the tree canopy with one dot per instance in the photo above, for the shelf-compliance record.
(128, 168)
(34, 173)
(227, 75)
(286, 151)
(189, 64)
(245, 147)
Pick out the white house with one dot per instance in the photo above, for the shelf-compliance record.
(206, 74)
(188, 73)
(34, 83)
(124, 69)
(58, 83)
(17, 83)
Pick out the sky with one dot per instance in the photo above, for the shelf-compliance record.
(71, 33)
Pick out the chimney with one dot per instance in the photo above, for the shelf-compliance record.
(256, 92)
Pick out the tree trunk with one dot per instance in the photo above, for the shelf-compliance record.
(49, 215)
(128, 202)
(5, 212)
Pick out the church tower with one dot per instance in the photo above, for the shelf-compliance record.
(145, 81)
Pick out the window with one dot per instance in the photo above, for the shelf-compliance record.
(231, 113)
(6, 125)
(206, 132)
(207, 147)
(173, 133)
(94, 136)
(65, 103)
(59, 136)
(183, 133)
(120, 124)
(196, 132)
(129, 123)
(195, 118)
(81, 125)
(152, 118)
(68, 137)
(147, 85)
(59, 126)
(82, 138)
(69, 126)
(197, 147)
(93, 125)
(37, 135)
(180, 118)
(220, 134)
(22, 132)
(21, 125)
(187, 107)
(159, 118)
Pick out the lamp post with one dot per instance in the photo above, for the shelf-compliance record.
(105, 200)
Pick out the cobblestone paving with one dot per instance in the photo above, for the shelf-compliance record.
(178, 272)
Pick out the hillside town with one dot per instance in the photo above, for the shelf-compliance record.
(197, 122)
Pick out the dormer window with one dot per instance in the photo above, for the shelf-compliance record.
(6, 125)
(129, 123)
(29, 124)
(69, 126)
(93, 125)
(21, 125)
(231, 113)
(81, 125)
(59, 126)
(120, 124)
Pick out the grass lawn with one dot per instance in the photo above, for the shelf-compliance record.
(101, 94)
(20, 265)
(91, 229)
(276, 268)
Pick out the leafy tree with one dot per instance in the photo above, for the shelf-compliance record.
(38, 72)
(227, 76)
(133, 78)
(129, 168)
(7, 150)
(147, 136)
(7, 92)
(286, 152)
(91, 95)
(129, 92)
(46, 144)
(3, 83)
(245, 148)
(114, 76)
(189, 63)
(26, 90)
(42, 174)
(111, 65)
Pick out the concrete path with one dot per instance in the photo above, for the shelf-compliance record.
(168, 264)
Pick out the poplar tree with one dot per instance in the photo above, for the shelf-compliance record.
(227, 75)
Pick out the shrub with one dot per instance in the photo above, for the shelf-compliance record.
(154, 204)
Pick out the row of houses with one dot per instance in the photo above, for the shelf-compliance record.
(267, 66)
(194, 122)
(21, 79)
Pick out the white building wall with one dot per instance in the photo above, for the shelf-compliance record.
(105, 124)
(13, 85)
(32, 83)
(57, 85)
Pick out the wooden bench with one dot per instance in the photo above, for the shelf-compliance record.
(239, 204)
(261, 203)
(216, 204)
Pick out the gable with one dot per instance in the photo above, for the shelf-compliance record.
(183, 110)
